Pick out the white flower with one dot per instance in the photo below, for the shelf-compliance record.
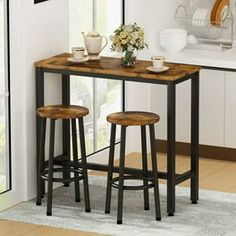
(130, 48)
(132, 41)
(136, 35)
(128, 37)
(123, 34)
(129, 28)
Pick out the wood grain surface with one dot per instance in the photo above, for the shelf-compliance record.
(12, 228)
(112, 67)
(62, 112)
(130, 118)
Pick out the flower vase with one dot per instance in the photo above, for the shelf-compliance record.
(129, 59)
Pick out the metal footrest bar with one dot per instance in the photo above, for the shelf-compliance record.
(102, 167)
(60, 160)
(183, 177)
(127, 170)
(133, 187)
(44, 175)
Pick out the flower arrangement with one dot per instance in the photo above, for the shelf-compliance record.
(127, 39)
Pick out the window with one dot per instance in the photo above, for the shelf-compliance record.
(99, 95)
(4, 100)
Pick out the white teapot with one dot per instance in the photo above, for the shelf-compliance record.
(93, 44)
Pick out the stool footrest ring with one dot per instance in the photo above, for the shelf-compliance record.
(44, 174)
(150, 184)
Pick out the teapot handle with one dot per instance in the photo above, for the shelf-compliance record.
(106, 42)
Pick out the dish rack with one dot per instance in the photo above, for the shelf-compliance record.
(205, 30)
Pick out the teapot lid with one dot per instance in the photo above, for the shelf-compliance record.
(93, 34)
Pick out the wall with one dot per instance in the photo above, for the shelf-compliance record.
(42, 39)
(37, 31)
(155, 15)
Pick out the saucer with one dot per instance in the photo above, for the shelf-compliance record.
(72, 59)
(158, 70)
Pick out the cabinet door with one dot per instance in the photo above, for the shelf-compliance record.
(158, 104)
(230, 109)
(212, 107)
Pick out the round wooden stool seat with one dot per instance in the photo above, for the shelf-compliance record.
(62, 112)
(134, 118)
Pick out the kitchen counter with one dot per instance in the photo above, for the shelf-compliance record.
(217, 95)
(203, 55)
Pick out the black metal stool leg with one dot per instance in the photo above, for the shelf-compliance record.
(43, 163)
(50, 167)
(66, 148)
(75, 160)
(145, 166)
(40, 164)
(154, 170)
(121, 175)
(110, 168)
(84, 165)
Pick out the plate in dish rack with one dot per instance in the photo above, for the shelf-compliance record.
(219, 12)
(158, 70)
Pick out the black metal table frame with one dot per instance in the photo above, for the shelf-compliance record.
(172, 178)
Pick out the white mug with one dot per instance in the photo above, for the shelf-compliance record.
(158, 61)
(78, 53)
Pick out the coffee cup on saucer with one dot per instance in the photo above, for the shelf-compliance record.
(158, 62)
(78, 53)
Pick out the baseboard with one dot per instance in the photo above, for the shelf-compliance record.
(211, 152)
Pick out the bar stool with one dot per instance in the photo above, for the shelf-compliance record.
(60, 112)
(125, 119)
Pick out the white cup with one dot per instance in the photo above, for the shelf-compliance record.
(78, 53)
(158, 61)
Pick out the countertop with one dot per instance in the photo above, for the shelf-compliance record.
(203, 55)
(110, 67)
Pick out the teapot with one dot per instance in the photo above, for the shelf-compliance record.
(93, 44)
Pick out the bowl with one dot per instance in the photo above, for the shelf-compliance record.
(173, 40)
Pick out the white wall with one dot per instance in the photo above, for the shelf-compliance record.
(37, 31)
(153, 15)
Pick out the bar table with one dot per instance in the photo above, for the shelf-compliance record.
(111, 68)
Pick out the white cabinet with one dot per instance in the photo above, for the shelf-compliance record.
(183, 112)
(158, 104)
(212, 109)
(230, 109)
(212, 103)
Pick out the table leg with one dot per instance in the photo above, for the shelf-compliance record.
(66, 123)
(195, 137)
(171, 109)
(39, 90)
